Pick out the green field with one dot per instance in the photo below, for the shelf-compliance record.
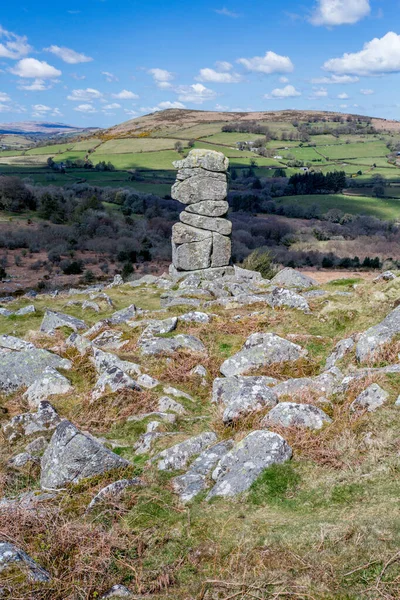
(133, 145)
(387, 209)
(50, 150)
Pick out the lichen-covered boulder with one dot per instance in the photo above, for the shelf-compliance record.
(209, 208)
(113, 490)
(44, 419)
(23, 368)
(194, 480)
(289, 277)
(158, 345)
(114, 379)
(340, 350)
(12, 555)
(123, 315)
(370, 399)
(281, 297)
(237, 470)
(321, 385)
(204, 159)
(11, 342)
(243, 396)
(72, 456)
(53, 320)
(372, 340)
(195, 317)
(103, 361)
(178, 456)
(51, 383)
(290, 414)
(261, 349)
(217, 224)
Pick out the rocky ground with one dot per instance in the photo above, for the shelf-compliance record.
(202, 438)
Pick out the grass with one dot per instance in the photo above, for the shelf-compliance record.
(385, 208)
(324, 526)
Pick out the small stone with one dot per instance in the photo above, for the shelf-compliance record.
(117, 591)
(13, 343)
(121, 316)
(10, 555)
(147, 381)
(237, 469)
(114, 380)
(178, 456)
(113, 490)
(51, 383)
(53, 320)
(289, 277)
(195, 317)
(26, 310)
(370, 399)
(243, 396)
(37, 445)
(91, 306)
(110, 340)
(72, 456)
(281, 297)
(82, 344)
(45, 419)
(21, 460)
(166, 404)
(172, 391)
(199, 370)
(289, 414)
(103, 361)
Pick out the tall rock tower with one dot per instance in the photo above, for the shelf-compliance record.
(202, 240)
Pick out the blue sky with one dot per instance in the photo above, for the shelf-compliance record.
(101, 62)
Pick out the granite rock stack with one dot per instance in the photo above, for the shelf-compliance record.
(202, 239)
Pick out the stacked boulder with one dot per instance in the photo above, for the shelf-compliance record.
(202, 239)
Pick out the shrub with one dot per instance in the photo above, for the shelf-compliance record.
(73, 267)
(261, 261)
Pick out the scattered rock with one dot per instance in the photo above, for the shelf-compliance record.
(26, 310)
(13, 343)
(237, 470)
(172, 391)
(178, 456)
(51, 383)
(370, 399)
(10, 555)
(243, 396)
(166, 404)
(82, 344)
(114, 380)
(124, 315)
(282, 297)
(110, 340)
(386, 276)
(154, 346)
(45, 419)
(53, 320)
(147, 381)
(289, 277)
(261, 349)
(195, 317)
(290, 414)
(91, 306)
(103, 361)
(21, 460)
(194, 480)
(25, 367)
(117, 591)
(375, 337)
(340, 350)
(72, 456)
(113, 490)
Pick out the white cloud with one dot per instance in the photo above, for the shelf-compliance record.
(110, 77)
(340, 12)
(125, 95)
(218, 76)
(4, 97)
(112, 106)
(226, 13)
(68, 55)
(335, 79)
(130, 113)
(56, 113)
(78, 77)
(41, 108)
(196, 93)
(289, 91)
(367, 92)
(85, 108)
(35, 69)
(87, 95)
(37, 85)
(162, 78)
(343, 96)
(15, 47)
(380, 55)
(221, 107)
(223, 65)
(168, 104)
(270, 63)
(283, 80)
(343, 106)
(321, 93)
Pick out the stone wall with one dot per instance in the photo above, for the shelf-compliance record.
(202, 239)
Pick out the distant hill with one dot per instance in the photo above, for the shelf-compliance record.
(174, 120)
(43, 129)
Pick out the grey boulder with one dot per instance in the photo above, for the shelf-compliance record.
(370, 399)
(243, 396)
(12, 555)
(194, 480)
(72, 456)
(372, 340)
(25, 367)
(281, 297)
(261, 349)
(53, 320)
(51, 383)
(45, 419)
(240, 467)
(217, 224)
(289, 277)
(178, 456)
(290, 414)
(124, 315)
(114, 380)
(113, 490)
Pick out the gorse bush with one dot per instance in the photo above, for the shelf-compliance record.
(261, 261)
